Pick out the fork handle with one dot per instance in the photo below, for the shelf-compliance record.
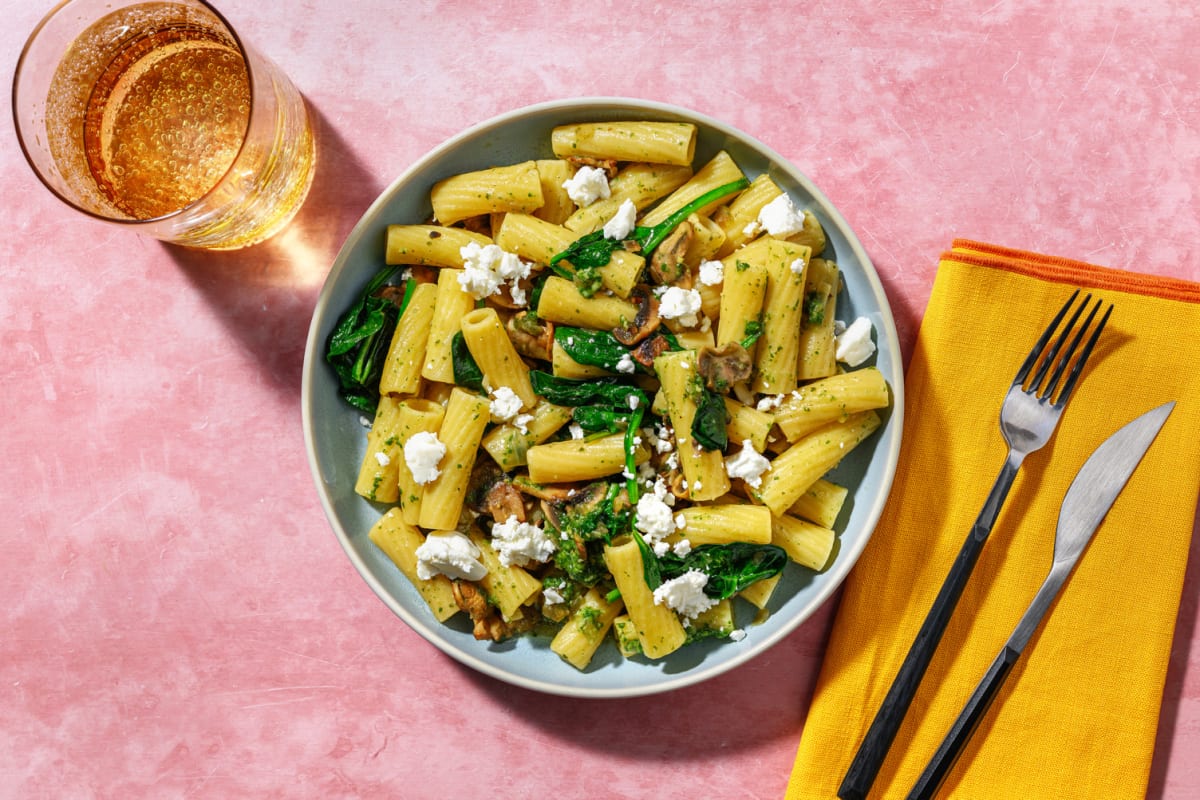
(875, 745)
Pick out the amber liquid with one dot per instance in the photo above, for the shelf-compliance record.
(165, 120)
(149, 119)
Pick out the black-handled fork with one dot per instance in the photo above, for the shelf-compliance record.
(1028, 417)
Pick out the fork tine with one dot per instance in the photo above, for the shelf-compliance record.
(1047, 391)
(1032, 358)
(1050, 356)
(1065, 395)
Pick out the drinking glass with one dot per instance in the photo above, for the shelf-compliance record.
(158, 117)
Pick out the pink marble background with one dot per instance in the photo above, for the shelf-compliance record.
(178, 619)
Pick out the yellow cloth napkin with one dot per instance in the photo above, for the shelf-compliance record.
(1077, 717)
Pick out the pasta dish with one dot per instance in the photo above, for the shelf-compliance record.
(603, 391)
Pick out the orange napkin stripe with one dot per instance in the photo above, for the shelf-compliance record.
(1076, 273)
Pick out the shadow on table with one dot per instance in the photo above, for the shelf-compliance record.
(265, 294)
(1185, 630)
(907, 318)
(761, 701)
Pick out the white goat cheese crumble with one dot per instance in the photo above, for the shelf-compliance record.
(451, 554)
(685, 594)
(622, 222)
(769, 402)
(711, 272)
(487, 268)
(422, 453)
(654, 517)
(662, 437)
(748, 464)
(505, 404)
(680, 304)
(627, 366)
(781, 218)
(587, 185)
(520, 544)
(854, 345)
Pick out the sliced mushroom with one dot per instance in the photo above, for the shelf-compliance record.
(551, 493)
(550, 510)
(576, 501)
(392, 293)
(666, 263)
(609, 165)
(490, 492)
(650, 349)
(502, 298)
(723, 367)
(644, 323)
(503, 502)
(479, 224)
(675, 484)
(488, 624)
(532, 336)
(587, 498)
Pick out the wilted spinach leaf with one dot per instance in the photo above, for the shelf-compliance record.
(357, 346)
(608, 392)
(708, 426)
(593, 348)
(730, 567)
(466, 371)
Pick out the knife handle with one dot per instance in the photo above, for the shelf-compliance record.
(875, 745)
(968, 720)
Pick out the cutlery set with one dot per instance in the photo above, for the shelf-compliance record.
(1029, 415)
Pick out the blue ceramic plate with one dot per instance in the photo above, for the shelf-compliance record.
(335, 437)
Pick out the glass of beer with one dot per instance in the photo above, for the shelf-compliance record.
(156, 116)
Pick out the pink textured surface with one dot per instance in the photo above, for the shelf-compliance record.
(178, 618)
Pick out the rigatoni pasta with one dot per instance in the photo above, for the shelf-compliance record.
(817, 341)
(653, 142)
(406, 352)
(400, 541)
(640, 184)
(416, 415)
(429, 245)
(496, 355)
(451, 305)
(499, 189)
(831, 399)
(659, 629)
(776, 365)
(574, 460)
(802, 464)
(604, 401)
(460, 432)
(562, 302)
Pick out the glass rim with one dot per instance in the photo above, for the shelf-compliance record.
(127, 221)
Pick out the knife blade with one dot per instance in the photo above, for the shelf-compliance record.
(1088, 500)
